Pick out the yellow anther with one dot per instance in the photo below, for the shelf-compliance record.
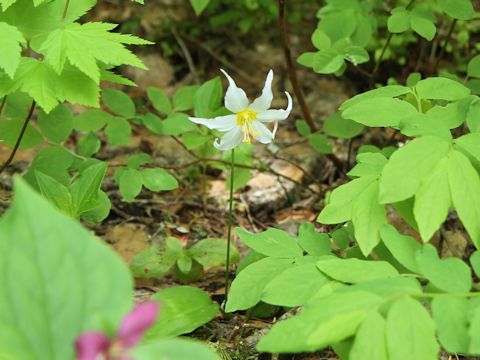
(244, 120)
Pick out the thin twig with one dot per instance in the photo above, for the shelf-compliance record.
(291, 67)
(221, 59)
(384, 49)
(186, 53)
(444, 45)
(19, 139)
(297, 89)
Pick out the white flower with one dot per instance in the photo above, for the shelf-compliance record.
(247, 119)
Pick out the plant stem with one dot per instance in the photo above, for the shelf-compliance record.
(297, 89)
(20, 137)
(384, 49)
(230, 222)
(445, 43)
(291, 67)
(65, 9)
(2, 104)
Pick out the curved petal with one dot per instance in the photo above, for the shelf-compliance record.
(92, 345)
(221, 123)
(262, 133)
(276, 115)
(264, 101)
(137, 322)
(235, 99)
(230, 140)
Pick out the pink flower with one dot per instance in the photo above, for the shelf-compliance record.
(96, 345)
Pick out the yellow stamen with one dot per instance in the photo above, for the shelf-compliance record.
(244, 120)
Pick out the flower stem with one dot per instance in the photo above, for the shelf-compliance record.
(230, 222)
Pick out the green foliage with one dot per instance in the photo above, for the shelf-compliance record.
(184, 309)
(63, 276)
(157, 261)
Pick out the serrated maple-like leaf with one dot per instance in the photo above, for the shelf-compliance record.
(10, 42)
(87, 44)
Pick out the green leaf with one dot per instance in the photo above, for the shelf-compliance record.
(92, 120)
(325, 321)
(382, 111)
(213, 252)
(114, 78)
(84, 45)
(475, 262)
(314, 243)
(440, 88)
(473, 117)
(341, 201)
(10, 131)
(451, 318)
(153, 262)
(355, 271)
(399, 21)
(410, 331)
(158, 180)
(138, 160)
(402, 175)
(457, 9)
(272, 242)
(473, 69)
(61, 275)
(327, 61)
(57, 125)
(303, 128)
(184, 309)
(208, 98)
(85, 189)
(432, 200)
(465, 190)
(320, 143)
(450, 275)
(474, 347)
(422, 24)
(118, 131)
(178, 349)
(56, 193)
(248, 287)
(100, 211)
(77, 88)
(175, 124)
(368, 164)
(320, 40)
(388, 91)
(339, 127)
(130, 184)
(367, 218)
(39, 81)
(183, 98)
(119, 102)
(306, 59)
(53, 161)
(159, 100)
(295, 286)
(370, 340)
(199, 5)
(402, 247)
(11, 41)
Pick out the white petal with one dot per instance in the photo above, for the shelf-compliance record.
(264, 101)
(230, 140)
(276, 115)
(262, 133)
(235, 99)
(221, 123)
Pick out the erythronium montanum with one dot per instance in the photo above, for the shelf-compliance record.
(247, 121)
(96, 345)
